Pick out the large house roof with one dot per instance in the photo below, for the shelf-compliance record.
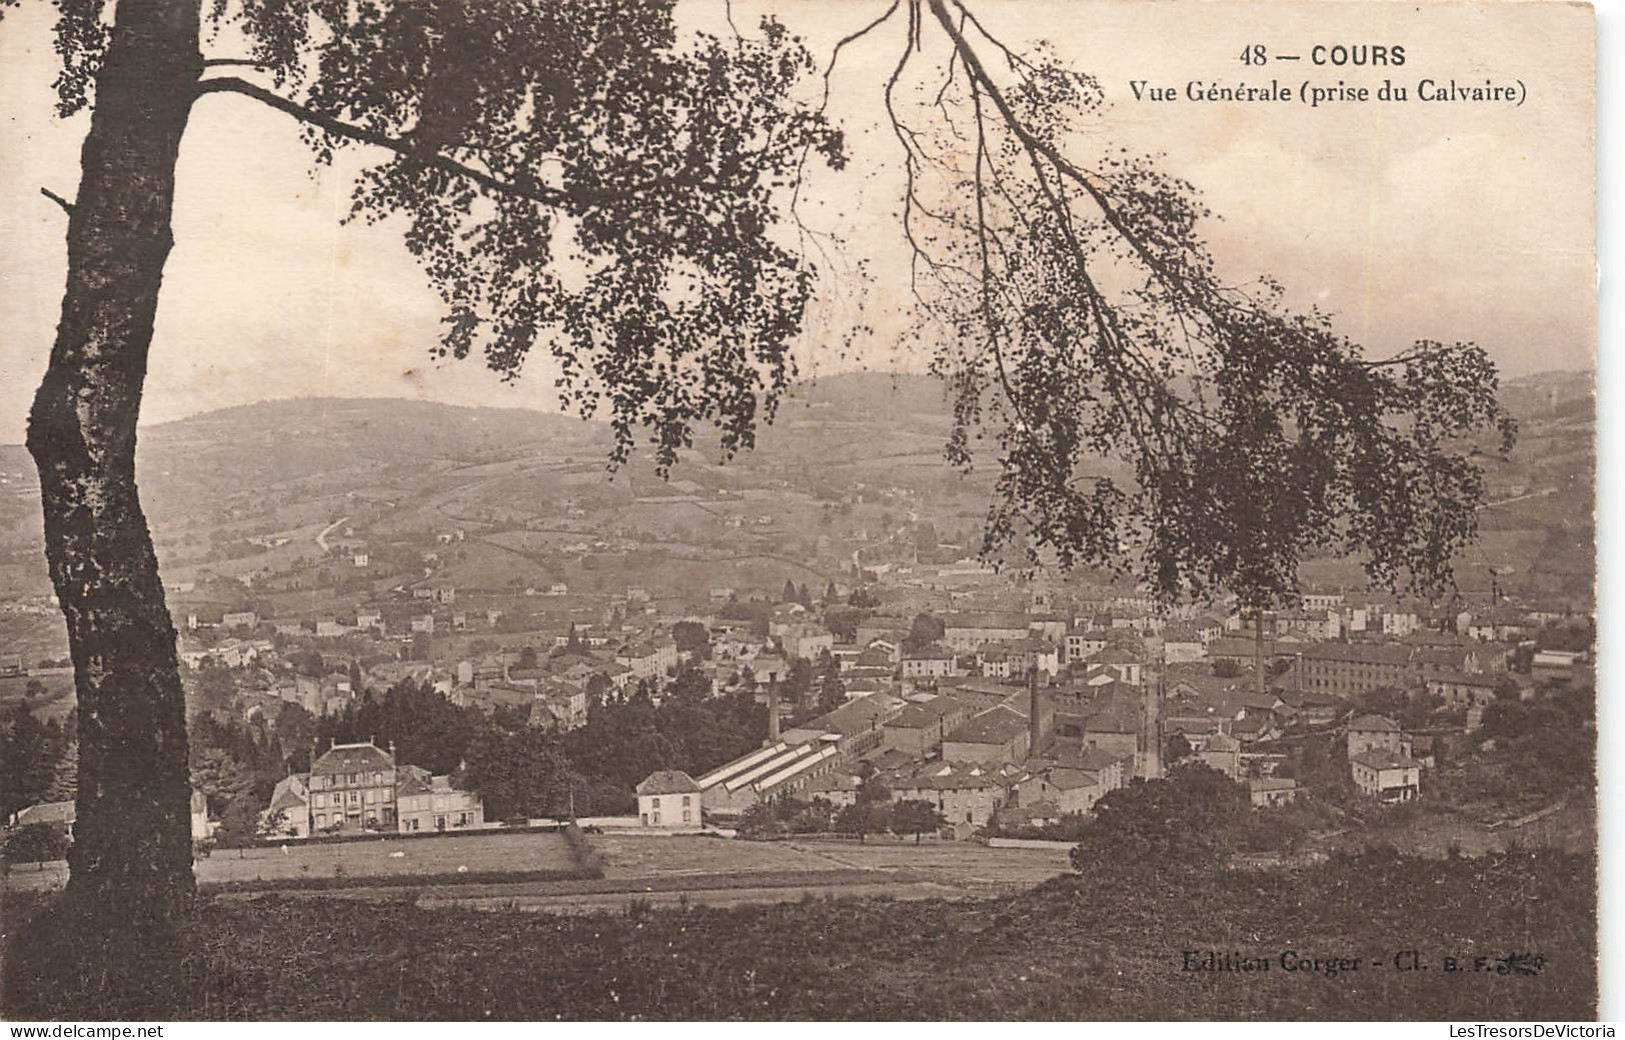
(1483, 680)
(948, 776)
(1385, 760)
(1093, 759)
(997, 725)
(1272, 783)
(669, 781)
(413, 780)
(288, 793)
(1236, 646)
(856, 715)
(1116, 720)
(1359, 653)
(352, 758)
(1114, 655)
(46, 812)
(1067, 779)
(1374, 724)
(929, 713)
(986, 620)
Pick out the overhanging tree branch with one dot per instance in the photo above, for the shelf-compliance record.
(437, 160)
(1037, 148)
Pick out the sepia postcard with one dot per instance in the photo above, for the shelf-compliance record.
(889, 510)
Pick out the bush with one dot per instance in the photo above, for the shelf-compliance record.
(1185, 822)
(587, 859)
(36, 843)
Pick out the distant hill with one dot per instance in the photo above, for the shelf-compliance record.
(284, 464)
(1550, 393)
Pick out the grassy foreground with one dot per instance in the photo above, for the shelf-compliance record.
(1107, 947)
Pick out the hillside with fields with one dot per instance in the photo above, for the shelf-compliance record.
(852, 469)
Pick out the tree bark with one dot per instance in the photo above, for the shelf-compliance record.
(131, 861)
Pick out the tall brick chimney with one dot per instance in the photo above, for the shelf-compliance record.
(1035, 741)
(1150, 737)
(772, 713)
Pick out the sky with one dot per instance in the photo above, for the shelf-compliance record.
(1432, 220)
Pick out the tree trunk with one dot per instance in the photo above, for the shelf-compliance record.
(131, 861)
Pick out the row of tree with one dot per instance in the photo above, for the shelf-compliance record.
(32, 752)
(524, 771)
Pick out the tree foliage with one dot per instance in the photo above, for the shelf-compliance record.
(916, 817)
(692, 637)
(29, 753)
(1524, 757)
(579, 177)
(1184, 821)
(924, 631)
(1176, 749)
(522, 774)
(831, 690)
(1147, 415)
(424, 727)
(35, 843)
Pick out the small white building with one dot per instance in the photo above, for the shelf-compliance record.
(1387, 776)
(1271, 791)
(669, 798)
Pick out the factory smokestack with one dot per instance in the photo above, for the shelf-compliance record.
(1151, 696)
(1034, 739)
(772, 713)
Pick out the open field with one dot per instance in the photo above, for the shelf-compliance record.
(480, 853)
(965, 866)
(588, 895)
(391, 859)
(664, 870)
(56, 704)
(794, 889)
(32, 637)
(639, 856)
(962, 864)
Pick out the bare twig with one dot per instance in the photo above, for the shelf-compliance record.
(67, 207)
